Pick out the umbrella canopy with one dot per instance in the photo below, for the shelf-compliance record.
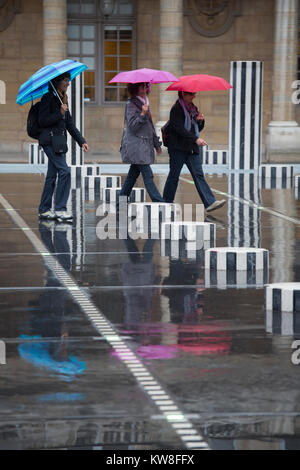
(37, 85)
(144, 76)
(199, 82)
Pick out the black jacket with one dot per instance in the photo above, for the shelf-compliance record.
(51, 120)
(179, 138)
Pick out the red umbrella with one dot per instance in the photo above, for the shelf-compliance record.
(199, 82)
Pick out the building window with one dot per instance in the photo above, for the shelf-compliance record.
(105, 44)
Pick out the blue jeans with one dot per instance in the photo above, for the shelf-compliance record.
(194, 164)
(133, 174)
(57, 168)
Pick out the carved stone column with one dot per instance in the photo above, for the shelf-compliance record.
(55, 30)
(283, 133)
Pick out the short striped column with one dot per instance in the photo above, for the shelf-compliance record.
(286, 323)
(75, 154)
(36, 155)
(112, 194)
(102, 181)
(76, 236)
(189, 231)
(245, 114)
(150, 215)
(91, 170)
(214, 157)
(236, 266)
(244, 219)
(180, 249)
(297, 187)
(283, 297)
(276, 176)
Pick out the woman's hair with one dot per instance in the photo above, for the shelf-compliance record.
(55, 81)
(133, 88)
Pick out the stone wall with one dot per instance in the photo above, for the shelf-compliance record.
(21, 54)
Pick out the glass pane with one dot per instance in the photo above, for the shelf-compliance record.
(123, 94)
(126, 9)
(110, 63)
(89, 78)
(110, 48)
(89, 94)
(111, 94)
(125, 32)
(88, 7)
(125, 63)
(88, 47)
(89, 61)
(73, 47)
(88, 32)
(73, 31)
(109, 76)
(110, 32)
(125, 48)
(73, 6)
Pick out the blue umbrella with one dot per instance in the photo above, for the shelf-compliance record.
(37, 85)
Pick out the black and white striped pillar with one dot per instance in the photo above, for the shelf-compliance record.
(150, 215)
(76, 236)
(245, 114)
(297, 187)
(75, 154)
(276, 176)
(213, 157)
(102, 181)
(236, 266)
(36, 155)
(180, 249)
(243, 214)
(112, 194)
(283, 297)
(287, 323)
(189, 231)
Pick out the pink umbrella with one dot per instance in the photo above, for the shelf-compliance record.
(199, 82)
(144, 76)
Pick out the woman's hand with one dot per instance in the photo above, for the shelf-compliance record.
(200, 117)
(144, 109)
(201, 142)
(63, 108)
(158, 150)
(85, 147)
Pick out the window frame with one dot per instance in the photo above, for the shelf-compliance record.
(99, 21)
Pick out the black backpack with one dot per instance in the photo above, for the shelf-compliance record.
(165, 133)
(33, 129)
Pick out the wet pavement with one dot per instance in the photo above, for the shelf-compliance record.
(211, 350)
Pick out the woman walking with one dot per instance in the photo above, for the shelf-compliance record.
(139, 141)
(183, 145)
(55, 120)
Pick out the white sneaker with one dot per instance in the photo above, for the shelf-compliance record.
(48, 215)
(63, 215)
(216, 205)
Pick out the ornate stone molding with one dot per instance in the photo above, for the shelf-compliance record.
(212, 18)
(8, 9)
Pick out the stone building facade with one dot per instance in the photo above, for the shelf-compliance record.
(182, 36)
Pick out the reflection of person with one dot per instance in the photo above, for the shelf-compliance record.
(139, 272)
(55, 118)
(49, 321)
(139, 141)
(183, 145)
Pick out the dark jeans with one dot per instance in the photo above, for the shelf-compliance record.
(133, 174)
(57, 168)
(193, 162)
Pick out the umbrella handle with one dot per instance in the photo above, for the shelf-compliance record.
(56, 92)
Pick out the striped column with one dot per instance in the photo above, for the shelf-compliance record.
(181, 249)
(283, 297)
(76, 236)
(102, 181)
(276, 176)
(112, 194)
(150, 215)
(36, 155)
(213, 157)
(75, 154)
(287, 323)
(236, 266)
(244, 219)
(297, 187)
(189, 231)
(245, 114)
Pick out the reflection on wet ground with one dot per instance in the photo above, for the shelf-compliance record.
(212, 350)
